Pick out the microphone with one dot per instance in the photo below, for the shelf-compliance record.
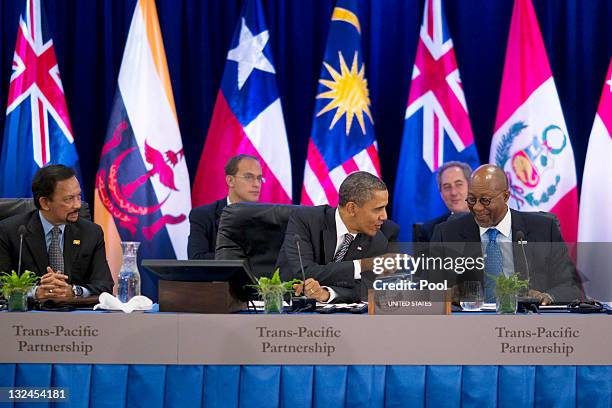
(21, 231)
(520, 239)
(302, 303)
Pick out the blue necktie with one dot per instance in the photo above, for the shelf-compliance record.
(493, 264)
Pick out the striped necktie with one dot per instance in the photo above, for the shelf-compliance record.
(348, 238)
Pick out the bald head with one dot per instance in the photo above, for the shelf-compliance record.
(488, 184)
(491, 175)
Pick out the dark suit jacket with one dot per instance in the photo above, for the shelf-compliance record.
(84, 260)
(425, 230)
(204, 224)
(549, 265)
(316, 227)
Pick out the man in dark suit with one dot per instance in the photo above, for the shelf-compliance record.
(243, 176)
(338, 244)
(65, 250)
(494, 229)
(453, 183)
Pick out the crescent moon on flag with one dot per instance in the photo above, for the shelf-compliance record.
(342, 14)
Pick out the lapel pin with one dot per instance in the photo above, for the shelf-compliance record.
(76, 242)
(359, 248)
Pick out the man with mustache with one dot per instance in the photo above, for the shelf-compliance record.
(493, 229)
(338, 244)
(66, 251)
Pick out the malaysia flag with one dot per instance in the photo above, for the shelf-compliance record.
(595, 229)
(248, 117)
(530, 141)
(437, 126)
(142, 185)
(342, 137)
(37, 131)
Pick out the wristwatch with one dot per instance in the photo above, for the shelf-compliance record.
(77, 290)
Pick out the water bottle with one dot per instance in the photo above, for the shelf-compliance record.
(128, 284)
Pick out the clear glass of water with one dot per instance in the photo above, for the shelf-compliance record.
(471, 296)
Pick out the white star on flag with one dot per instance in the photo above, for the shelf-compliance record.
(249, 54)
(609, 82)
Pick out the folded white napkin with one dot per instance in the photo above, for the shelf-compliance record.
(110, 302)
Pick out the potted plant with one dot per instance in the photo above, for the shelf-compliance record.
(272, 290)
(506, 292)
(15, 289)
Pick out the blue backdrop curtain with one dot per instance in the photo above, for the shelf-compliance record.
(89, 37)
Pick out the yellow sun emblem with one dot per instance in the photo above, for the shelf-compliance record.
(348, 93)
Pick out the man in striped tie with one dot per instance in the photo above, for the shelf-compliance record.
(338, 244)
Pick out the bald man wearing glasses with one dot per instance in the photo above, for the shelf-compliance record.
(493, 230)
(243, 176)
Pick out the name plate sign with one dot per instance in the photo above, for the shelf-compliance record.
(142, 338)
(409, 302)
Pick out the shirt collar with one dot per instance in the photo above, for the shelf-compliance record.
(504, 226)
(228, 201)
(341, 229)
(47, 226)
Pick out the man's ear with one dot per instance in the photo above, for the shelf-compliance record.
(350, 208)
(229, 180)
(44, 203)
(506, 196)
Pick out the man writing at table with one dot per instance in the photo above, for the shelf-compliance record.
(65, 250)
(495, 228)
(338, 244)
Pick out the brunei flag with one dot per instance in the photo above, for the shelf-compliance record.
(142, 186)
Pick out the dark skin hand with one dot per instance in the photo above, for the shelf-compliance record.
(54, 285)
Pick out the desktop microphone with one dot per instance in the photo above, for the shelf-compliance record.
(302, 303)
(526, 303)
(21, 231)
(520, 239)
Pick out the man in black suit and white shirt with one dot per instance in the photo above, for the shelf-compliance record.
(243, 176)
(338, 244)
(495, 228)
(65, 250)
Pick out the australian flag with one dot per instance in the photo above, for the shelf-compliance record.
(437, 126)
(342, 139)
(37, 131)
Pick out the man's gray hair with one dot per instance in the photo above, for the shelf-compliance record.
(466, 168)
(359, 187)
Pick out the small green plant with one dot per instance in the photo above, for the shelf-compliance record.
(506, 290)
(12, 282)
(272, 290)
(510, 285)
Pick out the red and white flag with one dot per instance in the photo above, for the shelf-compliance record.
(531, 142)
(596, 202)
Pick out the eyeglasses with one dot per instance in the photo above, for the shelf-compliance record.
(250, 178)
(485, 201)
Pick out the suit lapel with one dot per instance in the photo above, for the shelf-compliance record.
(72, 245)
(329, 234)
(359, 247)
(221, 204)
(35, 242)
(470, 236)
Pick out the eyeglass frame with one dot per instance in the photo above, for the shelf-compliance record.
(251, 178)
(486, 202)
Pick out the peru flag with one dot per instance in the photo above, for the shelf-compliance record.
(248, 117)
(142, 185)
(595, 228)
(531, 142)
